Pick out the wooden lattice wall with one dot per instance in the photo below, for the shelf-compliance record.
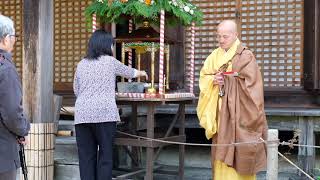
(70, 37)
(13, 9)
(272, 29)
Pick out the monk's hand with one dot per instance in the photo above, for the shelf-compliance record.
(219, 78)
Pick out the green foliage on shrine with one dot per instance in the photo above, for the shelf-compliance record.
(118, 11)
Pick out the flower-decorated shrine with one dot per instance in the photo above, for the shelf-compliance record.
(146, 40)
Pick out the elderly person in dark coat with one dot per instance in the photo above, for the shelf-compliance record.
(13, 124)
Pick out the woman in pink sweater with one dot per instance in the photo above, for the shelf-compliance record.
(96, 112)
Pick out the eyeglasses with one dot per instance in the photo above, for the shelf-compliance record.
(13, 35)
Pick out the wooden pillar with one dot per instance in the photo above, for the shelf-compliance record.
(37, 81)
(136, 151)
(311, 62)
(150, 134)
(181, 147)
(238, 17)
(317, 44)
(306, 155)
(37, 76)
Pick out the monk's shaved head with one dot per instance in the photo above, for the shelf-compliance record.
(227, 34)
(228, 25)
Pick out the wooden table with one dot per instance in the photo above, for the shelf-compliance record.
(150, 146)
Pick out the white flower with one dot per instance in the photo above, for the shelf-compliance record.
(190, 5)
(186, 8)
(100, 1)
(191, 12)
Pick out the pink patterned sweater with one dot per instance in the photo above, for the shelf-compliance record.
(94, 87)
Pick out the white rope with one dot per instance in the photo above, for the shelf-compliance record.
(210, 145)
(231, 144)
(297, 145)
(284, 157)
(196, 144)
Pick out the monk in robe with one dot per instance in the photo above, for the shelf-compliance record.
(231, 107)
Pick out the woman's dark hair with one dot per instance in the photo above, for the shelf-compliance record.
(99, 44)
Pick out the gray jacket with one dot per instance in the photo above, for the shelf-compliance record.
(13, 122)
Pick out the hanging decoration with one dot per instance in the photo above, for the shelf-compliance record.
(118, 11)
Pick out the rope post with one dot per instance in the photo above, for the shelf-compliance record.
(272, 153)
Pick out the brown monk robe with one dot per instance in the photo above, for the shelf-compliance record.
(242, 117)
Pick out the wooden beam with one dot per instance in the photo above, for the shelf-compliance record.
(136, 151)
(317, 44)
(311, 45)
(238, 17)
(173, 123)
(306, 155)
(134, 173)
(146, 143)
(182, 147)
(150, 134)
(38, 60)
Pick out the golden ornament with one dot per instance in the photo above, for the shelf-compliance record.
(148, 2)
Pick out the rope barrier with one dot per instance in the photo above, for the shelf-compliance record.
(284, 157)
(283, 143)
(231, 144)
(195, 144)
(297, 145)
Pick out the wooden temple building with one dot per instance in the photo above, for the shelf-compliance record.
(283, 34)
